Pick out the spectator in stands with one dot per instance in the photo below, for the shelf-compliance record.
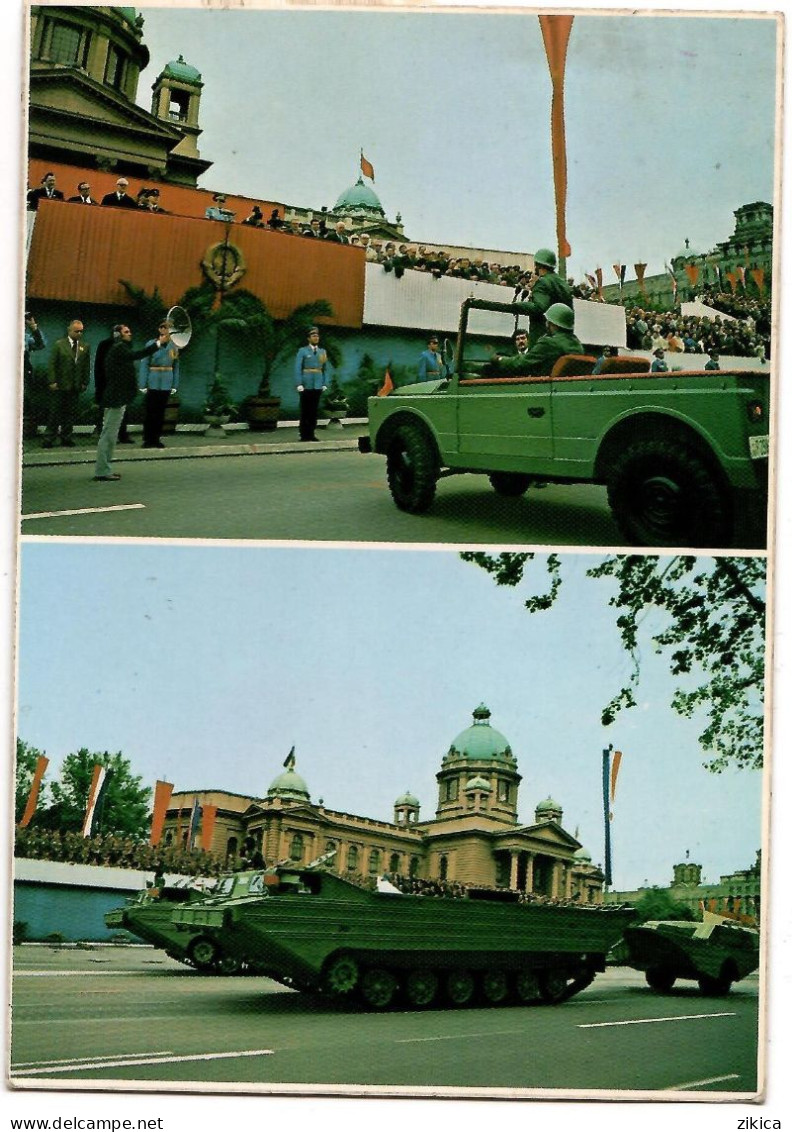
(154, 202)
(256, 218)
(338, 234)
(46, 192)
(713, 361)
(83, 195)
(218, 210)
(120, 198)
(275, 222)
(313, 230)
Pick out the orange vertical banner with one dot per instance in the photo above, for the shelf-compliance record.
(41, 765)
(640, 271)
(162, 796)
(207, 826)
(692, 271)
(617, 758)
(757, 274)
(555, 33)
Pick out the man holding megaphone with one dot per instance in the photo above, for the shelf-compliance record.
(159, 378)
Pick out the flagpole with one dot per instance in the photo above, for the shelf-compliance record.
(606, 754)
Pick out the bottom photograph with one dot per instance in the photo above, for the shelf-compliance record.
(389, 822)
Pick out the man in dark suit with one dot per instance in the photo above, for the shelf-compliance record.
(69, 370)
(120, 198)
(84, 195)
(100, 384)
(46, 192)
(120, 390)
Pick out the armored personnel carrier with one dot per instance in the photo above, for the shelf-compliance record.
(148, 915)
(316, 931)
(716, 953)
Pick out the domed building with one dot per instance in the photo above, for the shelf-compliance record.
(475, 837)
(85, 66)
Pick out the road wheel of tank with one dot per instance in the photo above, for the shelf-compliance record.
(378, 986)
(421, 988)
(663, 493)
(526, 987)
(203, 953)
(660, 979)
(510, 484)
(229, 964)
(341, 974)
(495, 987)
(460, 986)
(412, 468)
(552, 986)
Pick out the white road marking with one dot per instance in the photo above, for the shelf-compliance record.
(77, 1068)
(645, 1021)
(698, 1084)
(84, 511)
(96, 1057)
(455, 1037)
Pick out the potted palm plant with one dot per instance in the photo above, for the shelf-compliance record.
(218, 408)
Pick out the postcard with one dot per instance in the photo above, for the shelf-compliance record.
(396, 572)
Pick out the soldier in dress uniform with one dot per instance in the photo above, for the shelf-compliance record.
(159, 377)
(430, 364)
(310, 377)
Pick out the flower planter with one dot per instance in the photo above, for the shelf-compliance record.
(263, 413)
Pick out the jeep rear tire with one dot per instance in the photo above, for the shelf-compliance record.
(663, 493)
(412, 468)
(510, 484)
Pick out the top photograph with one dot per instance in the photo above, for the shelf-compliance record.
(400, 276)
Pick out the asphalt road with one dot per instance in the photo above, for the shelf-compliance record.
(133, 1015)
(324, 496)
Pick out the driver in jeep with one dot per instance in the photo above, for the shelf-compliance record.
(560, 339)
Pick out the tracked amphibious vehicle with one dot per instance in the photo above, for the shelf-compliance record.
(716, 953)
(315, 931)
(149, 913)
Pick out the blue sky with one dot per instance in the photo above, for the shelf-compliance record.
(204, 665)
(669, 120)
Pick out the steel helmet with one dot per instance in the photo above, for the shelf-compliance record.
(545, 258)
(560, 315)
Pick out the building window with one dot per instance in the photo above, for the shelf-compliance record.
(444, 867)
(330, 847)
(374, 861)
(352, 858)
(394, 863)
(114, 71)
(178, 105)
(231, 848)
(296, 853)
(503, 791)
(451, 789)
(68, 44)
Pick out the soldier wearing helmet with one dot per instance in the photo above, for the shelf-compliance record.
(540, 358)
(549, 288)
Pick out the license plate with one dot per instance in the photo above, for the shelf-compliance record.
(758, 446)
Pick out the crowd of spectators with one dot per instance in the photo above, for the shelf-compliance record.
(746, 334)
(112, 851)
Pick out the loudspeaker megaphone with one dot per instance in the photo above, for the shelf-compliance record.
(181, 327)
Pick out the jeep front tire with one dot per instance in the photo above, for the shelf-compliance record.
(412, 468)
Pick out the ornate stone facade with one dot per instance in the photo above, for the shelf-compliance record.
(474, 838)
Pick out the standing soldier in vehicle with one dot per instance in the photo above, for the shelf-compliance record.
(549, 288)
(540, 358)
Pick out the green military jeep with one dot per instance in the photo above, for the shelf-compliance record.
(683, 454)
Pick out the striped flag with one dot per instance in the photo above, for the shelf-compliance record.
(41, 765)
(195, 817)
(96, 797)
(617, 757)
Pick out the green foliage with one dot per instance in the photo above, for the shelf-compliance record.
(218, 400)
(26, 759)
(368, 381)
(658, 904)
(127, 801)
(335, 400)
(713, 634)
(151, 308)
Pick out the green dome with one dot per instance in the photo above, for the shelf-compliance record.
(178, 69)
(129, 14)
(582, 855)
(407, 799)
(687, 251)
(481, 741)
(547, 805)
(289, 784)
(359, 198)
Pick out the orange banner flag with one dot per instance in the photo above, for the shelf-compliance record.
(162, 796)
(366, 168)
(640, 271)
(41, 765)
(692, 272)
(757, 274)
(207, 826)
(386, 386)
(555, 33)
(617, 758)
